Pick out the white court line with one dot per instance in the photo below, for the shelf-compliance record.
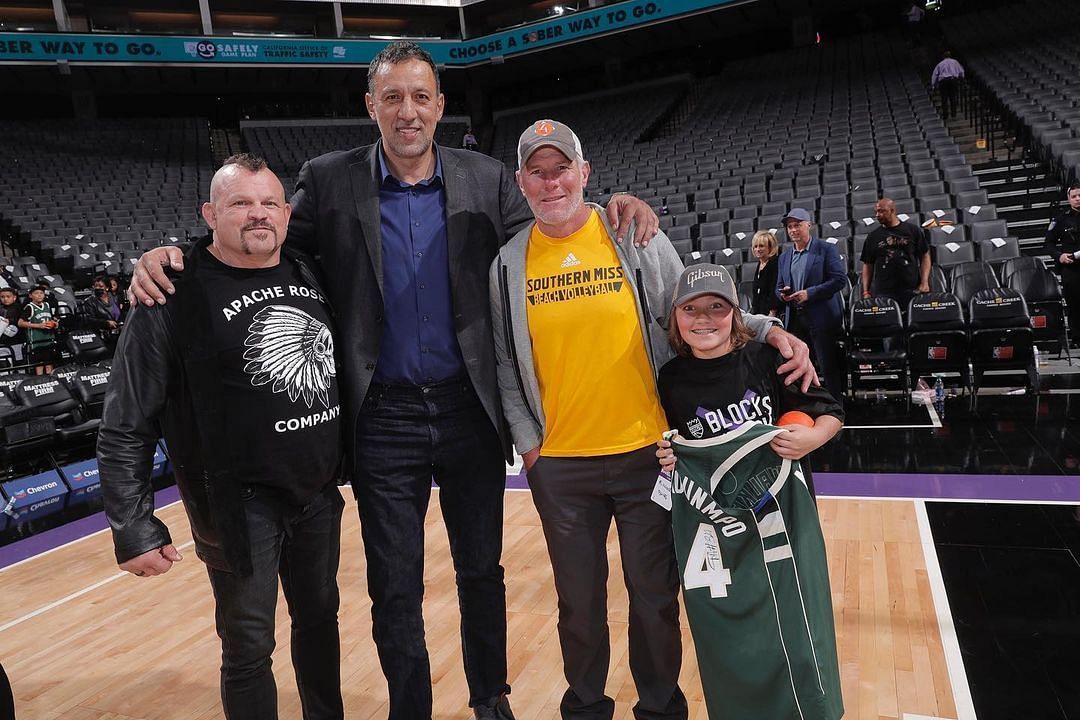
(935, 422)
(70, 542)
(935, 419)
(954, 661)
(909, 716)
(73, 596)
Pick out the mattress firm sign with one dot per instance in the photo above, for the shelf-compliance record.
(136, 49)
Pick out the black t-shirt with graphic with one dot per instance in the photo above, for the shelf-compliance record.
(706, 398)
(895, 253)
(278, 374)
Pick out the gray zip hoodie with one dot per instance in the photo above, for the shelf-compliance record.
(652, 272)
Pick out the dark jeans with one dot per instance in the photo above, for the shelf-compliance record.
(823, 352)
(577, 498)
(301, 546)
(407, 436)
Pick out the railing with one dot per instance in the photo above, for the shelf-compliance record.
(987, 106)
(987, 115)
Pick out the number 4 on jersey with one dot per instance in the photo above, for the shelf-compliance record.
(704, 565)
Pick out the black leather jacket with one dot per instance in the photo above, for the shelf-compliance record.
(162, 385)
(95, 314)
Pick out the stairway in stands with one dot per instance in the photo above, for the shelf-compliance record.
(1026, 196)
(223, 143)
(1024, 192)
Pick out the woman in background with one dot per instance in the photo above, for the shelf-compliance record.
(766, 250)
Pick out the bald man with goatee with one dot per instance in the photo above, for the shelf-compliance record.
(237, 371)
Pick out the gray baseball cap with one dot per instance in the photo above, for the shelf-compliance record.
(548, 133)
(705, 279)
(797, 214)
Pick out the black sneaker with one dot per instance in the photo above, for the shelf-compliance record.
(498, 709)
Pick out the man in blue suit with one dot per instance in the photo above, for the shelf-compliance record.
(809, 282)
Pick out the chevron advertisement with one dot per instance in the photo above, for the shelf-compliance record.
(33, 496)
(208, 50)
(82, 479)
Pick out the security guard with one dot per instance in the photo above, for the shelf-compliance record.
(1063, 244)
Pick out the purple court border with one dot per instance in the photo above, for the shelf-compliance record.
(1017, 488)
(68, 532)
(1004, 488)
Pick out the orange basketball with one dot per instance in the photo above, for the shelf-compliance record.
(795, 417)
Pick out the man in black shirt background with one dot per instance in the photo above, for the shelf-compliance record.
(238, 372)
(896, 258)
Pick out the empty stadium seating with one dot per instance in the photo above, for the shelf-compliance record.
(828, 128)
(287, 145)
(1027, 55)
(81, 198)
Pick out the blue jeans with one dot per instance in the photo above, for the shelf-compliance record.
(301, 546)
(407, 436)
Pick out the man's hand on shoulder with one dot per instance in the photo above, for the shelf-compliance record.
(153, 562)
(149, 283)
(624, 209)
(798, 367)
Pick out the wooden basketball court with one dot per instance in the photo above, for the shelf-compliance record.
(82, 641)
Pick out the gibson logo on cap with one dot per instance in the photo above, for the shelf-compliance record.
(543, 128)
(694, 275)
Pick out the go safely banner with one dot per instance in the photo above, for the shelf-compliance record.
(134, 49)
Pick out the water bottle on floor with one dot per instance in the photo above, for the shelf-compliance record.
(939, 396)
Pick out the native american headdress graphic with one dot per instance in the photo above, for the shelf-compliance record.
(292, 350)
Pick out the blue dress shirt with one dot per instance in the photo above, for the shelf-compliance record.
(419, 345)
(798, 266)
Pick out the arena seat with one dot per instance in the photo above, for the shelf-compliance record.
(966, 279)
(1042, 293)
(47, 397)
(937, 337)
(876, 352)
(1001, 336)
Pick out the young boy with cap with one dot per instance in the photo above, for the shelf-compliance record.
(746, 532)
(719, 380)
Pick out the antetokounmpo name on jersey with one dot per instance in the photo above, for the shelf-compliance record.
(700, 500)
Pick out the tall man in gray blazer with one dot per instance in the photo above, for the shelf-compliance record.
(405, 232)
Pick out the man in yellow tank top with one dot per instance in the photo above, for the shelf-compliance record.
(578, 339)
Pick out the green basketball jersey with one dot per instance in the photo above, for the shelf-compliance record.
(38, 314)
(755, 580)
